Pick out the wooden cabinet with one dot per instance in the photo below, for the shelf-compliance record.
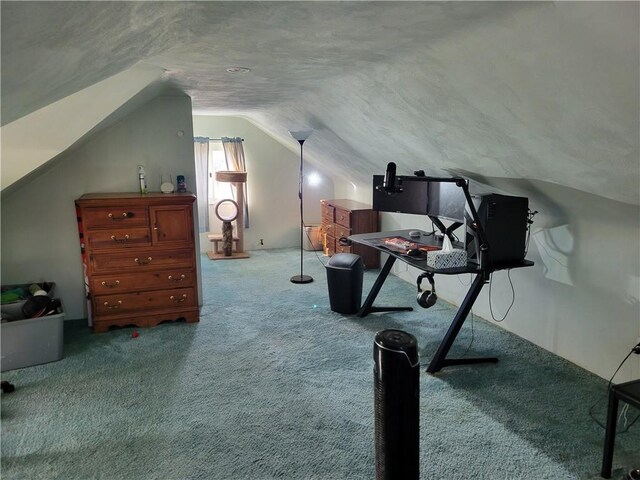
(341, 218)
(139, 258)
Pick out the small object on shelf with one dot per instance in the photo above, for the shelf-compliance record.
(182, 186)
(166, 187)
(141, 179)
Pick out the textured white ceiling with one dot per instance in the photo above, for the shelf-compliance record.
(539, 91)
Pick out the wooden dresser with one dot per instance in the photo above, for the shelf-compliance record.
(341, 218)
(139, 258)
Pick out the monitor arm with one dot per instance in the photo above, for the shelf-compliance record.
(476, 225)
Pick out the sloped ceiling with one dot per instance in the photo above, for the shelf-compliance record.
(538, 91)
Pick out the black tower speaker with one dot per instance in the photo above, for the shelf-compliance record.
(397, 401)
(504, 220)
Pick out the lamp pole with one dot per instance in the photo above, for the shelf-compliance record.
(301, 136)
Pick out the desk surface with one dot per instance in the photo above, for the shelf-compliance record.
(427, 239)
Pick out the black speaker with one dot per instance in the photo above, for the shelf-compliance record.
(397, 401)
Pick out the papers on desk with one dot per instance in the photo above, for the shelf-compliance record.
(402, 245)
(437, 257)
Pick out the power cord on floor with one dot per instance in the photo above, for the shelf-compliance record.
(623, 411)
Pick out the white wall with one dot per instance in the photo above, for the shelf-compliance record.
(581, 300)
(39, 229)
(272, 183)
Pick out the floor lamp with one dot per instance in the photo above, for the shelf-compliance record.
(301, 136)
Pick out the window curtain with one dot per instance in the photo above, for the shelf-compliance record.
(234, 156)
(201, 150)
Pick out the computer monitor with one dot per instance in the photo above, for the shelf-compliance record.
(446, 201)
(412, 199)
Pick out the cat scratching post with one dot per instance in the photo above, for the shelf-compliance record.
(237, 179)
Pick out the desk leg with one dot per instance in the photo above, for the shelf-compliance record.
(610, 434)
(440, 358)
(367, 307)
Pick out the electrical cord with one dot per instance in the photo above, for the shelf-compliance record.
(623, 412)
(433, 230)
(513, 299)
(530, 216)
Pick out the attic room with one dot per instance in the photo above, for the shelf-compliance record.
(265, 379)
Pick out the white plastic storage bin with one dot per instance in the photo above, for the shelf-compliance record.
(32, 341)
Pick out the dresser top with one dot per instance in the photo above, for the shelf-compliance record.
(118, 197)
(348, 204)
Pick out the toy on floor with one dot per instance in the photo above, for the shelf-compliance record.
(7, 387)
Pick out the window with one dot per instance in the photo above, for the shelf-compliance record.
(217, 162)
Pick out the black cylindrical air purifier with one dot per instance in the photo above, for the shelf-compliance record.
(397, 400)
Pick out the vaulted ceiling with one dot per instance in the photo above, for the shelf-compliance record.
(513, 90)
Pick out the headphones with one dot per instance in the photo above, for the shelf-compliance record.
(428, 298)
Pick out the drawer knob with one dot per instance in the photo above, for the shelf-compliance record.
(117, 305)
(111, 285)
(178, 300)
(142, 261)
(123, 239)
(178, 279)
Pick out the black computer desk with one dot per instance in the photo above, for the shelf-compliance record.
(440, 359)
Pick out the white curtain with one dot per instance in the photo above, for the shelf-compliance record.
(201, 150)
(234, 155)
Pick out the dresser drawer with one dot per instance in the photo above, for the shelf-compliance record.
(98, 217)
(343, 217)
(329, 229)
(128, 282)
(141, 260)
(118, 238)
(144, 301)
(342, 231)
(327, 213)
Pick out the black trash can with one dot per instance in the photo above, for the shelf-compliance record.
(344, 279)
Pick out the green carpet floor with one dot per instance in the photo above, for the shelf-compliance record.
(271, 384)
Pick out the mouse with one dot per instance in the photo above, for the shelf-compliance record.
(414, 252)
